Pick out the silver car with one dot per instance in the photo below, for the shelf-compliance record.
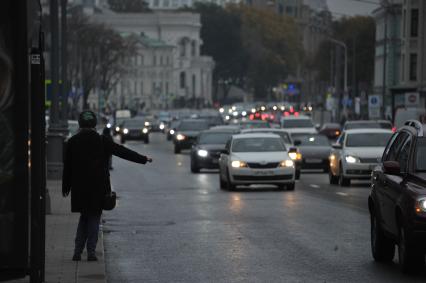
(356, 153)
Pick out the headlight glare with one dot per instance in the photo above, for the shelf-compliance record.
(147, 124)
(117, 129)
(351, 159)
(125, 131)
(238, 164)
(202, 153)
(295, 155)
(180, 137)
(287, 163)
(172, 132)
(162, 126)
(145, 130)
(421, 205)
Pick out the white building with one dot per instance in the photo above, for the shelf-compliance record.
(176, 4)
(187, 79)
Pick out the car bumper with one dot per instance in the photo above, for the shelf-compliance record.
(241, 176)
(184, 144)
(315, 163)
(358, 170)
(207, 162)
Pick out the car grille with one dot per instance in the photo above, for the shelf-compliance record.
(263, 166)
(262, 178)
(369, 160)
(135, 132)
(358, 172)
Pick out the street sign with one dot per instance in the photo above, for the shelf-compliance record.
(412, 99)
(374, 104)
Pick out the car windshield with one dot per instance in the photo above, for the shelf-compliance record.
(193, 126)
(311, 140)
(134, 123)
(258, 145)
(420, 154)
(255, 125)
(368, 125)
(297, 123)
(368, 139)
(214, 138)
(284, 136)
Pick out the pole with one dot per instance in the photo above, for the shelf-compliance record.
(54, 64)
(64, 63)
(385, 47)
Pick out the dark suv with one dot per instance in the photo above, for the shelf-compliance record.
(187, 132)
(397, 202)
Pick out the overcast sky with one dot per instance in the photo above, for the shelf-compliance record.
(350, 7)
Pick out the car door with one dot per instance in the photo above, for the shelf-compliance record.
(395, 183)
(386, 191)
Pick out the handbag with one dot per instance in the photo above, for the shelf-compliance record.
(110, 200)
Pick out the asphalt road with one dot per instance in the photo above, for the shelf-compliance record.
(174, 226)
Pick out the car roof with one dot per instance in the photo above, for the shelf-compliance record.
(300, 117)
(194, 120)
(225, 127)
(367, 121)
(224, 131)
(259, 130)
(255, 135)
(368, 131)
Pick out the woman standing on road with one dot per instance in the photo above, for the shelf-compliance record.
(86, 176)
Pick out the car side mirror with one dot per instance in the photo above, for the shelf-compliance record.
(336, 146)
(392, 167)
(297, 142)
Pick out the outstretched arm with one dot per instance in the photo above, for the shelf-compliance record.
(128, 154)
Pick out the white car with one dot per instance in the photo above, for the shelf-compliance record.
(256, 159)
(356, 153)
(298, 125)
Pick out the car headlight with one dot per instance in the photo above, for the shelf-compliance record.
(145, 130)
(162, 126)
(221, 110)
(287, 163)
(117, 129)
(295, 155)
(421, 205)
(227, 117)
(202, 153)
(172, 132)
(180, 137)
(125, 131)
(108, 125)
(146, 124)
(351, 159)
(238, 164)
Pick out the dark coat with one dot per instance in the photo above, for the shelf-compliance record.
(86, 169)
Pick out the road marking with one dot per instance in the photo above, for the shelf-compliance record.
(314, 186)
(342, 194)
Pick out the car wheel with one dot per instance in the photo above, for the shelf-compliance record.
(146, 140)
(382, 248)
(221, 181)
(177, 149)
(343, 181)
(297, 176)
(334, 180)
(409, 257)
(290, 187)
(229, 184)
(194, 167)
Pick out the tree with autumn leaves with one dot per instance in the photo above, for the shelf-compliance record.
(253, 49)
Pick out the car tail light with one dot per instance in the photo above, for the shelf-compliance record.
(393, 129)
(296, 114)
(286, 114)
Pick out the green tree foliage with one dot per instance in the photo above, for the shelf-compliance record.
(128, 6)
(358, 33)
(273, 47)
(253, 49)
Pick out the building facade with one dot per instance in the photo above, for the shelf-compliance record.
(188, 76)
(403, 53)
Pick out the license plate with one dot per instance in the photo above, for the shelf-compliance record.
(313, 161)
(264, 173)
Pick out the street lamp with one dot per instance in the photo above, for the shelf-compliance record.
(342, 44)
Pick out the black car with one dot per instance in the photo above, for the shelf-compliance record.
(315, 150)
(171, 129)
(397, 202)
(207, 149)
(187, 132)
(134, 129)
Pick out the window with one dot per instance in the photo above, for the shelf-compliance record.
(193, 48)
(414, 26)
(392, 152)
(403, 68)
(404, 154)
(154, 60)
(161, 60)
(289, 10)
(182, 48)
(193, 85)
(413, 67)
(167, 87)
(404, 18)
(182, 79)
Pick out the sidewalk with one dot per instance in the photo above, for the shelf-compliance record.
(61, 226)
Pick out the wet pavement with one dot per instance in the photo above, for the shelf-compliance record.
(174, 226)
